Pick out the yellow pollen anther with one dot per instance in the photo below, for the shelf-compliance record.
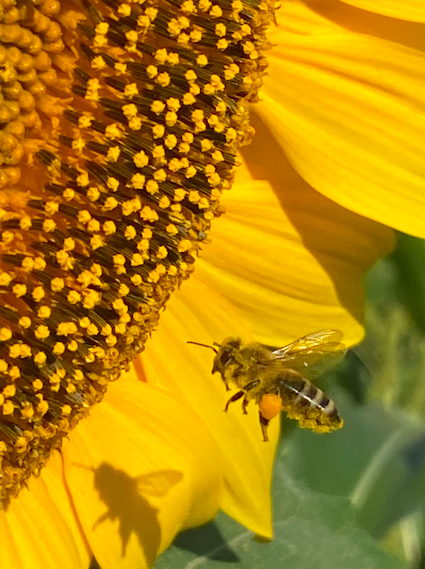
(140, 159)
(112, 131)
(66, 328)
(5, 334)
(98, 63)
(28, 264)
(170, 141)
(184, 245)
(163, 79)
(49, 225)
(220, 30)
(151, 71)
(109, 227)
(131, 90)
(112, 156)
(113, 184)
(164, 202)
(40, 358)
(42, 332)
(44, 312)
(19, 290)
(73, 297)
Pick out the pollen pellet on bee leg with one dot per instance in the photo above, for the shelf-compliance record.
(270, 405)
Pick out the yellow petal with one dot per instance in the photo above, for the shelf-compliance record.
(198, 314)
(312, 17)
(40, 529)
(140, 468)
(412, 10)
(288, 258)
(348, 110)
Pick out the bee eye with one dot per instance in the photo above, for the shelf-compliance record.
(225, 357)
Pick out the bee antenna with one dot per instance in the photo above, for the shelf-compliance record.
(204, 346)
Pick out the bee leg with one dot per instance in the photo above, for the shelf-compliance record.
(264, 424)
(248, 387)
(225, 382)
(234, 397)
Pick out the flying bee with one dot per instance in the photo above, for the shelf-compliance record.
(278, 380)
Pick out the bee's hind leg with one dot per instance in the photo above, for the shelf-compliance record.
(264, 424)
(234, 397)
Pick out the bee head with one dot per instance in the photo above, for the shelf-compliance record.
(225, 354)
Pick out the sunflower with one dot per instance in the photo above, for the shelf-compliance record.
(305, 219)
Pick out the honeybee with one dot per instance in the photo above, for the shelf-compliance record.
(278, 379)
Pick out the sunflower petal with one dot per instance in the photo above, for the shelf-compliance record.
(348, 111)
(291, 260)
(197, 313)
(140, 468)
(312, 17)
(411, 10)
(40, 529)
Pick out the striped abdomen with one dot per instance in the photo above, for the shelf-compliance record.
(309, 405)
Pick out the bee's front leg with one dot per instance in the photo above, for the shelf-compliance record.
(234, 397)
(226, 383)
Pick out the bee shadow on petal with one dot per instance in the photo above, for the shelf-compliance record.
(126, 499)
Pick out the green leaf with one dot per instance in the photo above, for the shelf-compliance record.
(409, 261)
(377, 461)
(312, 531)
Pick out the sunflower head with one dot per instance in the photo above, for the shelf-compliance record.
(120, 125)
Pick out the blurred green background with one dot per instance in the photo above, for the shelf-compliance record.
(354, 499)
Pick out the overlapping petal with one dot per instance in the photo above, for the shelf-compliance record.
(139, 471)
(199, 314)
(411, 10)
(40, 528)
(348, 110)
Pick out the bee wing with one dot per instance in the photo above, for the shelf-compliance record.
(311, 341)
(313, 354)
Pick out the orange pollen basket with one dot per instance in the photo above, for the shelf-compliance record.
(270, 405)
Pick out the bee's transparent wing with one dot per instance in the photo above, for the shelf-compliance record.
(313, 354)
(311, 341)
